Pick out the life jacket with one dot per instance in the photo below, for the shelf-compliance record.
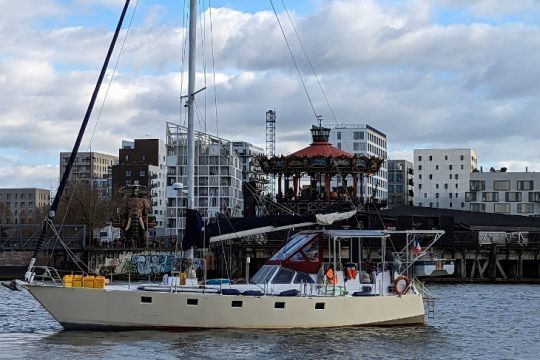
(331, 277)
(351, 273)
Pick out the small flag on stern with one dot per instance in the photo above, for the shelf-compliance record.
(416, 248)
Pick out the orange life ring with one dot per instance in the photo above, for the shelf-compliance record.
(398, 287)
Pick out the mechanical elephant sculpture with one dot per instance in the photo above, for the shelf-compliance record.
(135, 212)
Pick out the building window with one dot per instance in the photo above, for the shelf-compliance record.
(430, 158)
(446, 186)
(419, 167)
(338, 135)
(436, 186)
(430, 204)
(501, 185)
(450, 176)
(445, 157)
(450, 167)
(525, 185)
(525, 208)
(477, 185)
(450, 195)
(462, 157)
(356, 146)
(419, 186)
(430, 177)
(478, 207)
(456, 176)
(462, 204)
(358, 135)
(419, 176)
(534, 196)
(462, 167)
(420, 159)
(490, 196)
(450, 204)
(128, 172)
(502, 208)
(142, 173)
(513, 196)
(425, 195)
(339, 145)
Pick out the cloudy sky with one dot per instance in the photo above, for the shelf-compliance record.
(438, 73)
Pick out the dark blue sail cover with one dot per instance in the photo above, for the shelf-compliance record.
(193, 236)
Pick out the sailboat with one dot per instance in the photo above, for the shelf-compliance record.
(317, 279)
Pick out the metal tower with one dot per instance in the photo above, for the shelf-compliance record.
(271, 145)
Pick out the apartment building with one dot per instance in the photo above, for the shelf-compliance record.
(91, 167)
(441, 177)
(143, 162)
(400, 183)
(515, 193)
(363, 139)
(24, 205)
(218, 177)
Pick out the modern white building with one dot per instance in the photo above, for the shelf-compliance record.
(218, 177)
(515, 193)
(441, 177)
(247, 153)
(363, 139)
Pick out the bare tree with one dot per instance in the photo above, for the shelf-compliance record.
(83, 204)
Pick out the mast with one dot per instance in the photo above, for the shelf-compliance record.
(54, 207)
(190, 105)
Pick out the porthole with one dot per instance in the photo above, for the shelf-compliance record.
(236, 303)
(193, 301)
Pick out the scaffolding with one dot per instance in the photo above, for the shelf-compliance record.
(271, 146)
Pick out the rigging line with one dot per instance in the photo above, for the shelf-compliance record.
(113, 73)
(203, 43)
(310, 63)
(213, 64)
(182, 64)
(293, 59)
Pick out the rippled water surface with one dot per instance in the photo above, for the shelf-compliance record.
(472, 321)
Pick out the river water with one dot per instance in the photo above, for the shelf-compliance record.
(471, 322)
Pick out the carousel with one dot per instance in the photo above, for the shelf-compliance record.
(321, 174)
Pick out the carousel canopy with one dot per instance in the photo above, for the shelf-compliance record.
(317, 149)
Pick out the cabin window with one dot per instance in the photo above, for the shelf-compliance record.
(146, 299)
(236, 303)
(284, 276)
(193, 301)
(319, 306)
(303, 278)
(279, 305)
(264, 274)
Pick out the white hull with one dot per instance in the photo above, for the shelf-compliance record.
(80, 308)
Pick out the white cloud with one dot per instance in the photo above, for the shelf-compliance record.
(391, 66)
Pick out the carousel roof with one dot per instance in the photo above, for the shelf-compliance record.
(324, 149)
